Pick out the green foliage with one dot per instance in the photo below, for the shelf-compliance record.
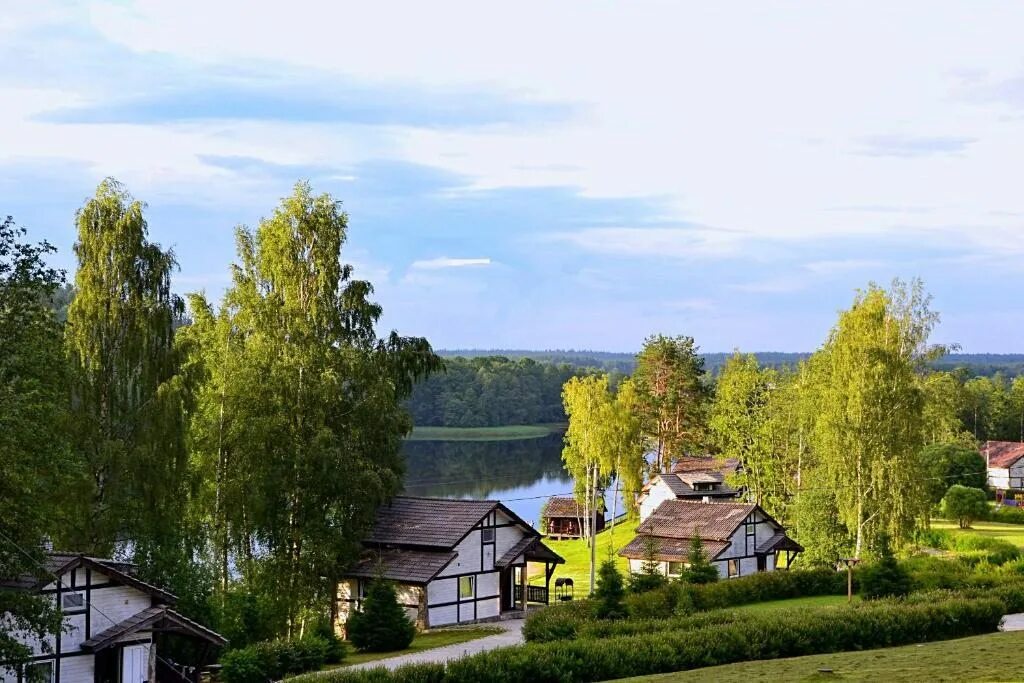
(965, 505)
(699, 570)
(666, 647)
(276, 659)
(884, 577)
(950, 465)
(650, 576)
(611, 590)
(819, 530)
(1007, 514)
(382, 625)
(975, 547)
(33, 445)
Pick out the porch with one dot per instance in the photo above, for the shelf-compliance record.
(516, 591)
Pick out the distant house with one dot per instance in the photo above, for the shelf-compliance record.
(454, 561)
(684, 485)
(565, 518)
(111, 618)
(740, 538)
(726, 466)
(1005, 463)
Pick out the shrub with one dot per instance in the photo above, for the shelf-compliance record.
(1007, 514)
(649, 577)
(952, 465)
(965, 505)
(700, 569)
(336, 648)
(931, 573)
(558, 622)
(884, 578)
(273, 660)
(611, 590)
(382, 625)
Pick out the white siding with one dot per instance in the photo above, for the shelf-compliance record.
(77, 669)
(999, 477)
(115, 604)
(657, 494)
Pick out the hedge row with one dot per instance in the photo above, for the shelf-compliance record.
(757, 636)
(972, 549)
(273, 660)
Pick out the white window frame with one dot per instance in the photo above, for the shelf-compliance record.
(682, 568)
(487, 534)
(467, 584)
(731, 565)
(76, 594)
(53, 668)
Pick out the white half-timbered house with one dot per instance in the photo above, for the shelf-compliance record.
(1004, 461)
(453, 561)
(739, 538)
(110, 619)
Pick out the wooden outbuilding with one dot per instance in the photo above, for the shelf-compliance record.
(565, 518)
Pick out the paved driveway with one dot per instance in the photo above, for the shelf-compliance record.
(512, 635)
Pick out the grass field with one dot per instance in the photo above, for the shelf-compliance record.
(1014, 533)
(577, 555)
(812, 601)
(507, 433)
(981, 658)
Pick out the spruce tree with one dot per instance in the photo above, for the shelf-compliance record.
(381, 625)
(700, 570)
(610, 592)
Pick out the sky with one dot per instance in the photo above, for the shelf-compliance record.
(552, 175)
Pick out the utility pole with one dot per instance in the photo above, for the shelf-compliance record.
(850, 563)
(593, 531)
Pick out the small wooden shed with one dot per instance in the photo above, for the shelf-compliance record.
(565, 518)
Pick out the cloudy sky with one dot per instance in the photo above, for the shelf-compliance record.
(552, 175)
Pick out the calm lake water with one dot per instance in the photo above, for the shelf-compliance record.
(523, 474)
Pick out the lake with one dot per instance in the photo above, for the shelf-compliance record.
(522, 474)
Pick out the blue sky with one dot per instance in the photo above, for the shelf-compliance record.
(552, 175)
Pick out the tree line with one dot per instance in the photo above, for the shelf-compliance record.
(236, 450)
(851, 447)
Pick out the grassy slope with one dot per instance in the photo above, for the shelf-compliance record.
(981, 658)
(577, 555)
(1014, 533)
(507, 433)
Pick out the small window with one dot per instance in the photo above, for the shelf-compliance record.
(39, 672)
(73, 600)
(676, 568)
(466, 587)
(487, 535)
(734, 568)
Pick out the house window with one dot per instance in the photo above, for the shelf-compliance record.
(734, 568)
(675, 568)
(72, 600)
(487, 535)
(466, 587)
(39, 672)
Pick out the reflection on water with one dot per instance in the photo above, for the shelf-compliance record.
(522, 474)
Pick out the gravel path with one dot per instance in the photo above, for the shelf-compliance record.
(513, 635)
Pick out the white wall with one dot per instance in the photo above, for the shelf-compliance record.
(999, 477)
(657, 494)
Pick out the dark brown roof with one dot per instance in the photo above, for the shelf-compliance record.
(563, 507)
(681, 489)
(1002, 454)
(779, 541)
(515, 551)
(405, 566)
(723, 465)
(534, 550)
(58, 564)
(428, 522)
(158, 616)
(686, 519)
(669, 549)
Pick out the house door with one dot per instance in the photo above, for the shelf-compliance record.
(507, 589)
(762, 563)
(135, 663)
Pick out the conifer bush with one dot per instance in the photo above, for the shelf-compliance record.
(382, 625)
(700, 569)
(611, 590)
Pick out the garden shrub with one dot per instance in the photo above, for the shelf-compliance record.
(994, 550)
(699, 570)
(1007, 514)
(965, 505)
(885, 577)
(610, 592)
(275, 659)
(931, 573)
(765, 586)
(558, 622)
(749, 636)
(382, 625)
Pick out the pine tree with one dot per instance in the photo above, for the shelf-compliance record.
(382, 625)
(610, 593)
(700, 569)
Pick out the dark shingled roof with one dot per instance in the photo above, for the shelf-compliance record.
(779, 541)
(669, 549)
(159, 616)
(682, 489)
(686, 519)
(59, 563)
(1002, 454)
(563, 507)
(724, 465)
(535, 551)
(405, 566)
(427, 522)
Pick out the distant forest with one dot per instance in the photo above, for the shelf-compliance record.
(494, 387)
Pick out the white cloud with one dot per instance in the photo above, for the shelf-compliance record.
(678, 243)
(446, 262)
(827, 267)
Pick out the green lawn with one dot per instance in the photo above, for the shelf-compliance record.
(577, 555)
(813, 601)
(507, 433)
(1014, 533)
(423, 641)
(992, 657)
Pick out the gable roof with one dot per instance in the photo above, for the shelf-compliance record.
(723, 465)
(681, 488)
(563, 507)
(669, 549)
(58, 564)
(439, 523)
(532, 549)
(1002, 454)
(404, 566)
(685, 519)
(158, 617)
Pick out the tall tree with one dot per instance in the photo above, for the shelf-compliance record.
(298, 417)
(673, 397)
(33, 448)
(125, 404)
(870, 428)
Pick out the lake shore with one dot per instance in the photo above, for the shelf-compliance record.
(505, 433)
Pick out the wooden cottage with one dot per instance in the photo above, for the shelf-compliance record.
(1004, 461)
(113, 625)
(454, 561)
(566, 518)
(740, 538)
